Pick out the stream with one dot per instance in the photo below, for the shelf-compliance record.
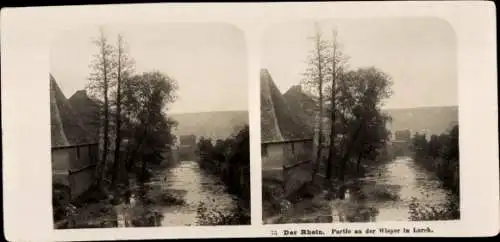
(386, 192)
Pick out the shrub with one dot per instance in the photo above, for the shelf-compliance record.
(422, 212)
(213, 216)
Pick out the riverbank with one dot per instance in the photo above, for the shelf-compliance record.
(98, 208)
(101, 211)
(228, 161)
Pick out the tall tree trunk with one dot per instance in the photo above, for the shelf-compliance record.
(332, 147)
(143, 170)
(358, 162)
(117, 165)
(320, 93)
(106, 131)
(347, 154)
(135, 151)
(106, 112)
(141, 140)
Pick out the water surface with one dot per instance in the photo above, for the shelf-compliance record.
(386, 192)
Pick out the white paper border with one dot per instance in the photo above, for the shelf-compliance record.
(25, 40)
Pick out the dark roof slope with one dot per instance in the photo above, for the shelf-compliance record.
(278, 122)
(89, 112)
(302, 105)
(58, 137)
(66, 127)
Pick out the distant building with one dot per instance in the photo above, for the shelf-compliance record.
(403, 135)
(189, 140)
(286, 143)
(400, 145)
(187, 147)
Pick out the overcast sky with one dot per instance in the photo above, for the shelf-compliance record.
(418, 53)
(208, 60)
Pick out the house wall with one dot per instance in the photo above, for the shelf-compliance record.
(59, 159)
(297, 152)
(273, 156)
(74, 166)
(82, 156)
(295, 177)
(272, 162)
(80, 182)
(287, 162)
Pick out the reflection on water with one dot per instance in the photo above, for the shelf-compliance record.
(386, 192)
(199, 187)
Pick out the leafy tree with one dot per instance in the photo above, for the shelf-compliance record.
(230, 160)
(204, 149)
(440, 155)
(419, 145)
(360, 125)
(434, 147)
(451, 151)
(239, 164)
(146, 97)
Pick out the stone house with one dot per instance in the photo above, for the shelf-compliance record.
(74, 153)
(286, 142)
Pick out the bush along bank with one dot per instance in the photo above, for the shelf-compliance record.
(440, 155)
(229, 159)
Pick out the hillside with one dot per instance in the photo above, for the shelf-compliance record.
(434, 119)
(216, 125)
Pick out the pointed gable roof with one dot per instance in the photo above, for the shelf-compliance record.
(66, 127)
(278, 122)
(58, 137)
